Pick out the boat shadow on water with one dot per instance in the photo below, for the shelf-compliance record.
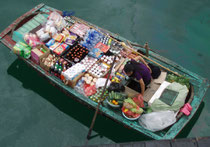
(104, 127)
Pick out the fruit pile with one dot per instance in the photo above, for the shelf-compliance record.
(116, 98)
(131, 109)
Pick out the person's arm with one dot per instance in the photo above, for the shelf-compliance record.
(142, 85)
(137, 58)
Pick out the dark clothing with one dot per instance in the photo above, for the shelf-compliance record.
(155, 71)
(142, 72)
(136, 86)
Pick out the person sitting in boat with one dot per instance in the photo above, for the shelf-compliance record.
(139, 71)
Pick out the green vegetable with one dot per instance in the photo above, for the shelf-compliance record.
(138, 111)
(130, 101)
(149, 110)
(182, 80)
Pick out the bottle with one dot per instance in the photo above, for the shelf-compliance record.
(56, 67)
(64, 68)
(52, 68)
(59, 71)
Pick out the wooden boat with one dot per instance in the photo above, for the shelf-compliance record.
(199, 85)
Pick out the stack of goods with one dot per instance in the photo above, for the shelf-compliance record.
(118, 77)
(90, 80)
(37, 53)
(33, 23)
(98, 70)
(56, 45)
(60, 66)
(59, 37)
(104, 48)
(47, 62)
(69, 21)
(127, 54)
(71, 39)
(104, 44)
(88, 62)
(32, 40)
(80, 86)
(52, 44)
(91, 38)
(109, 59)
(47, 31)
(96, 53)
(77, 53)
(57, 20)
(61, 49)
(22, 50)
(74, 71)
(44, 35)
(97, 95)
(106, 40)
(54, 24)
(116, 48)
(79, 29)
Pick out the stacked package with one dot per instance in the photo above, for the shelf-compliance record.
(79, 29)
(91, 38)
(74, 71)
(22, 50)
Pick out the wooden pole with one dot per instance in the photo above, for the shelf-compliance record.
(101, 100)
(152, 60)
(146, 46)
(137, 45)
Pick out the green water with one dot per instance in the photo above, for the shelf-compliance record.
(33, 113)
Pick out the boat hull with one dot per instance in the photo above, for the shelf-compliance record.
(199, 83)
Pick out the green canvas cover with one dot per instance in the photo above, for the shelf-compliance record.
(168, 96)
(159, 105)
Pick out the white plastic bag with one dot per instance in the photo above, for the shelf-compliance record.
(101, 82)
(157, 121)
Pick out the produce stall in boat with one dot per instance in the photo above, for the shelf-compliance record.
(80, 58)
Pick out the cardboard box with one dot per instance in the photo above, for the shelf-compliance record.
(44, 56)
(35, 55)
(72, 83)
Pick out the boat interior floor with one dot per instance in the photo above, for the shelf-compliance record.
(132, 87)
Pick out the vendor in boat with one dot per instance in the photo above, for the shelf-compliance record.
(139, 71)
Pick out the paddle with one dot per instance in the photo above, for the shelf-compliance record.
(101, 100)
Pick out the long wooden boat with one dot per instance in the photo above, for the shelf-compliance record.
(199, 85)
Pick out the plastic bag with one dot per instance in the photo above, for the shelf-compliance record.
(32, 40)
(157, 121)
(116, 87)
(89, 90)
(58, 20)
(139, 100)
(101, 82)
(158, 105)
